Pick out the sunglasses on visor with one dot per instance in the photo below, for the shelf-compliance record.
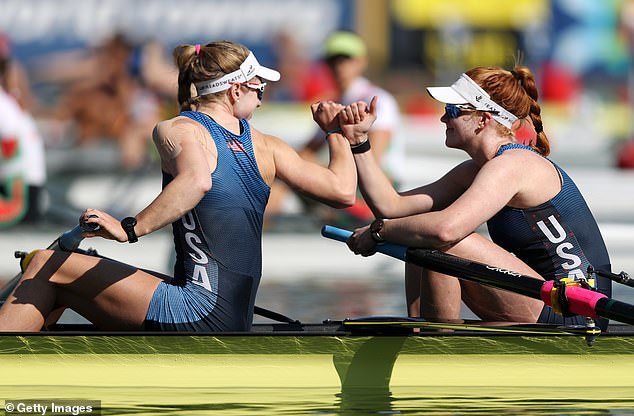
(455, 111)
(259, 88)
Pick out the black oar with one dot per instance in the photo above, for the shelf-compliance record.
(580, 301)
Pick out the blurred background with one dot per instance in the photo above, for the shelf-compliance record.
(95, 76)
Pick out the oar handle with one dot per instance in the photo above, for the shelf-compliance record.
(393, 250)
(70, 240)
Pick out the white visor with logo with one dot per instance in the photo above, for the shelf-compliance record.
(466, 91)
(248, 69)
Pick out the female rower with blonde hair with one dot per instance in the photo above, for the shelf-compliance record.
(538, 221)
(217, 172)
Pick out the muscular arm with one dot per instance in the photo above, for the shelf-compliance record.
(386, 202)
(182, 156)
(481, 201)
(334, 185)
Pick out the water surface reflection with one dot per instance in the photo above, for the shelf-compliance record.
(323, 401)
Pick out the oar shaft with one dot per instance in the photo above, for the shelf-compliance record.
(481, 273)
(451, 265)
(614, 309)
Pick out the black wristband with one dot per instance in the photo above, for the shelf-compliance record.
(375, 228)
(128, 224)
(361, 147)
(337, 130)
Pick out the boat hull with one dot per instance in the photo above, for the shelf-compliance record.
(266, 373)
(308, 361)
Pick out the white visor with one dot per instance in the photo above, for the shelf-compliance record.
(466, 91)
(248, 69)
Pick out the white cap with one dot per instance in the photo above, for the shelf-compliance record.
(248, 69)
(466, 91)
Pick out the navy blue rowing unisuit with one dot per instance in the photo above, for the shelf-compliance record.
(218, 244)
(558, 239)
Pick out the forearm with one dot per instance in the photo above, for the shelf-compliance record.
(376, 187)
(344, 174)
(429, 230)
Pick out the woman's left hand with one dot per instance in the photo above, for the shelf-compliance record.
(361, 242)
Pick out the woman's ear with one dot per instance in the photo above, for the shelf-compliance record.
(234, 92)
(485, 118)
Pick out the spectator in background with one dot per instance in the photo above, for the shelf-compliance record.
(345, 54)
(114, 91)
(305, 80)
(22, 164)
(15, 80)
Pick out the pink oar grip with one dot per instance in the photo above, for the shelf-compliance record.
(581, 301)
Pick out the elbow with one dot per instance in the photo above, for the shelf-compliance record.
(447, 234)
(201, 185)
(349, 199)
(344, 199)
(341, 200)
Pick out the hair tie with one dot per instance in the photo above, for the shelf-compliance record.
(197, 49)
(516, 75)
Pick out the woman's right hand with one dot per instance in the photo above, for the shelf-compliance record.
(356, 120)
(109, 227)
(361, 242)
(325, 114)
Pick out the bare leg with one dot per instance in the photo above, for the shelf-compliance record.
(112, 295)
(489, 303)
(54, 316)
(441, 294)
(436, 296)
(413, 276)
(431, 295)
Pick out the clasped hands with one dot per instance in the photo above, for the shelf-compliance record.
(354, 119)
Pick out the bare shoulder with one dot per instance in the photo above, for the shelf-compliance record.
(179, 126)
(517, 167)
(171, 135)
(534, 177)
(268, 143)
(263, 137)
(519, 159)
